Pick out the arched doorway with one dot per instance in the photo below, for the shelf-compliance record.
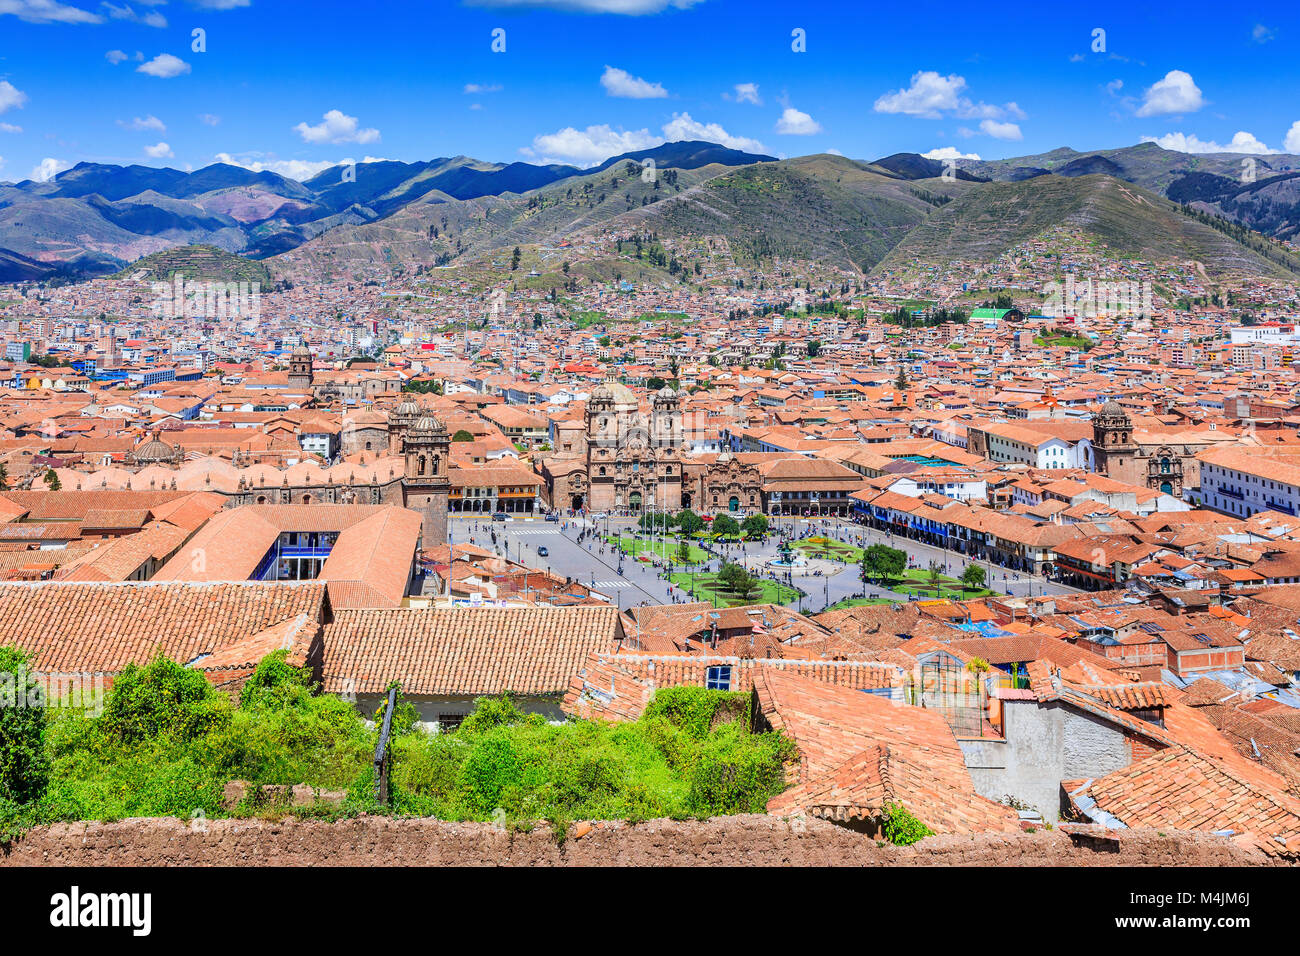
(686, 500)
(576, 503)
(634, 501)
(1166, 487)
(733, 505)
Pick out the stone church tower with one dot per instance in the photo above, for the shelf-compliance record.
(425, 482)
(300, 373)
(1112, 440)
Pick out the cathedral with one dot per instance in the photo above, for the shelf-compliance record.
(1119, 453)
(628, 460)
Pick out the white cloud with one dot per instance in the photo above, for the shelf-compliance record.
(682, 126)
(1292, 141)
(164, 66)
(336, 127)
(1176, 93)
(299, 169)
(151, 19)
(482, 88)
(794, 122)
(949, 152)
(746, 93)
(158, 151)
(834, 152)
(47, 11)
(1262, 34)
(115, 57)
(931, 95)
(221, 4)
(1001, 130)
(209, 119)
(11, 97)
(622, 83)
(631, 8)
(149, 122)
(589, 146)
(10, 128)
(1242, 142)
(47, 169)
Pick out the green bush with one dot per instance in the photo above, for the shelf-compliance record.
(162, 698)
(901, 827)
(24, 764)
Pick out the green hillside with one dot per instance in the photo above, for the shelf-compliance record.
(199, 264)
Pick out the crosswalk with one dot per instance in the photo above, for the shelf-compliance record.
(613, 585)
(513, 532)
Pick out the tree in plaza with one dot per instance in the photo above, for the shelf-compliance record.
(973, 577)
(738, 581)
(689, 522)
(880, 562)
(726, 526)
(755, 526)
(683, 552)
(935, 569)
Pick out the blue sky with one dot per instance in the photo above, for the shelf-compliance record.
(294, 86)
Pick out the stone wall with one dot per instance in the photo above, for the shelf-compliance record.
(741, 840)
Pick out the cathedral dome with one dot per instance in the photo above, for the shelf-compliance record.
(616, 392)
(1113, 409)
(426, 424)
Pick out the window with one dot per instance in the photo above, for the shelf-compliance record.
(718, 678)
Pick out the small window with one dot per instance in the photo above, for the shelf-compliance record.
(718, 678)
(447, 723)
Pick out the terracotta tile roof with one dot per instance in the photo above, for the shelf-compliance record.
(465, 651)
(1179, 788)
(100, 628)
(859, 751)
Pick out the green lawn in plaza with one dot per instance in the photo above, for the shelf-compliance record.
(665, 548)
(829, 549)
(707, 587)
(916, 581)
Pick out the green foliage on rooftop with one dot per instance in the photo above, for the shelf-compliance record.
(167, 742)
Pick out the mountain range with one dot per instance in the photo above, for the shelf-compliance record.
(1226, 211)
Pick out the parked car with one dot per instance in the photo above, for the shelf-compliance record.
(543, 551)
(501, 516)
(552, 517)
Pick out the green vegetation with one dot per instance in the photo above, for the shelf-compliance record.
(829, 549)
(859, 602)
(665, 548)
(200, 263)
(717, 590)
(1081, 342)
(901, 827)
(168, 742)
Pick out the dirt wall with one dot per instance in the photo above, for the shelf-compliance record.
(741, 840)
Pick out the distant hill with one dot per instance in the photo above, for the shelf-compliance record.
(199, 264)
(96, 219)
(125, 212)
(986, 221)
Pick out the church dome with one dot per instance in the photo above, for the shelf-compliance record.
(154, 450)
(426, 424)
(616, 392)
(1113, 409)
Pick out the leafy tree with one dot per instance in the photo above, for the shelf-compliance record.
(52, 480)
(689, 522)
(514, 259)
(974, 577)
(655, 383)
(813, 348)
(935, 571)
(726, 526)
(683, 552)
(880, 562)
(24, 765)
(462, 435)
(4, 477)
(755, 526)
